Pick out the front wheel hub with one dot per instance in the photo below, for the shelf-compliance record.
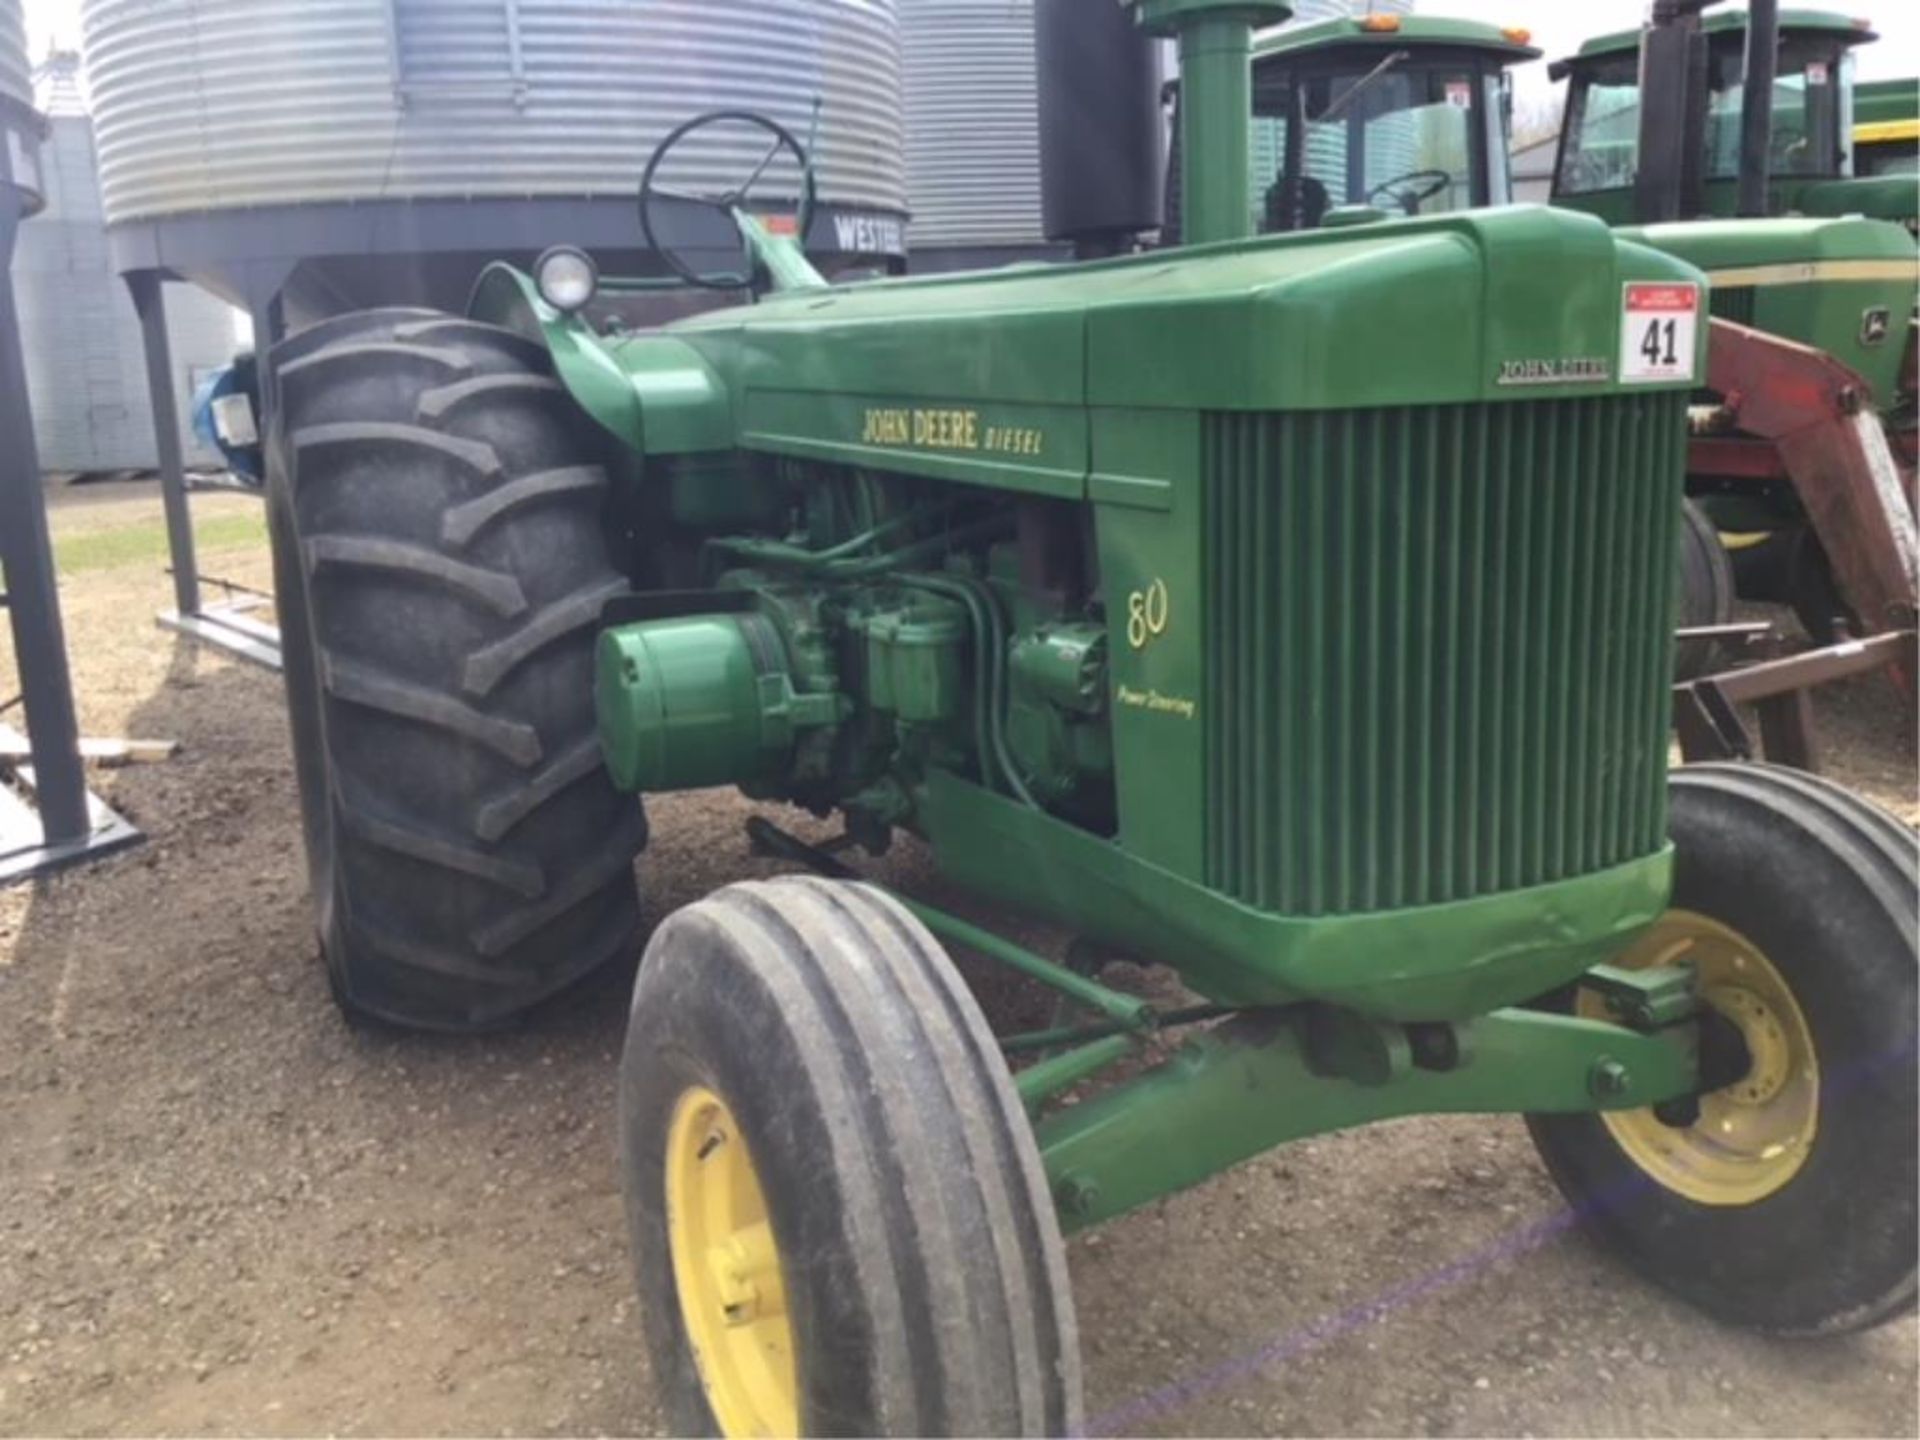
(726, 1271)
(1751, 1135)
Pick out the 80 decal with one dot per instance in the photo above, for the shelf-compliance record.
(1659, 332)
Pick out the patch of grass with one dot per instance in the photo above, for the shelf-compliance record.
(146, 543)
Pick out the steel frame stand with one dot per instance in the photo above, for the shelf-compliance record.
(223, 624)
(52, 821)
(1780, 690)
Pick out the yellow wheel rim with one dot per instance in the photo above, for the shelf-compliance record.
(1753, 1136)
(726, 1271)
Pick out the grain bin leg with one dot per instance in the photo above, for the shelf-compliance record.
(149, 301)
(26, 555)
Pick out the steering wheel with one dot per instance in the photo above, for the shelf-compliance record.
(727, 202)
(1411, 200)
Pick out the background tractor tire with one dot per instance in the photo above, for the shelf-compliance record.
(440, 560)
(1822, 885)
(924, 1277)
(1705, 590)
(1789, 567)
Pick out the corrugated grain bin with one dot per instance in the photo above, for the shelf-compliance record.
(973, 130)
(221, 104)
(19, 126)
(368, 152)
(15, 80)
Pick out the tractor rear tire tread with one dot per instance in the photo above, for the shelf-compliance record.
(494, 590)
(522, 877)
(437, 404)
(438, 328)
(486, 668)
(432, 363)
(473, 856)
(499, 815)
(387, 324)
(510, 739)
(479, 458)
(463, 523)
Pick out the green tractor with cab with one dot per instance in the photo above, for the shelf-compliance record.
(1750, 175)
(1291, 612)
(1810, 158)
(1379, 115)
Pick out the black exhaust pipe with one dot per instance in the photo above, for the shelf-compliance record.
(1670, 183)
(1756, 105)
(1100, 124)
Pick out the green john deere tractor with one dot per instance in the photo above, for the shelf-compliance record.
(1291, 612)
(1809, 156)
(1822, 272)
(1751, 177)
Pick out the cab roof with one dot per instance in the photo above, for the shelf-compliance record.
(1719, 22)
(1387, 32)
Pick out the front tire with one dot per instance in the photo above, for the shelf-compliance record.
(1787, 1204)
(840, 1221)
(1705, 590)
(440, 561)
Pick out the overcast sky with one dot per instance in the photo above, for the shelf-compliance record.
(1557, 28)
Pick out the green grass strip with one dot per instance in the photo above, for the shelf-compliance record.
(147, 542)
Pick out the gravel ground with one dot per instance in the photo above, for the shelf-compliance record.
(223, 1213)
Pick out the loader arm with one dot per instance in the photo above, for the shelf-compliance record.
(1859, 498)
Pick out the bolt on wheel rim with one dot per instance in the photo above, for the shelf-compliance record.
(726, 1271)
(1751, 1137)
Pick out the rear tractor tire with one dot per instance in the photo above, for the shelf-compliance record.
(1786, 1201)
(440, 560)
(1705, 591)
(840, 1221)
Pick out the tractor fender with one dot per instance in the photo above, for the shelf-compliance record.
(652, 392)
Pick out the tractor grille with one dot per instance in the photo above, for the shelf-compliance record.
(1437, 647)
(1735, 304)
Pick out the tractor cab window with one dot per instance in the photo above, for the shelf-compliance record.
(1811, 115)
(1410, 137)
(1599, 148)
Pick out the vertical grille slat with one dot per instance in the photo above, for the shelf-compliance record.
(1735, 303)
(1437, 647)
(1429, 630)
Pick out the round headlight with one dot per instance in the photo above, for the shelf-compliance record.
(566, 277)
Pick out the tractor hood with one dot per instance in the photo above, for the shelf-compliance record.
(1722, 245)
(1878, 197)
(979, 376)
(1394, 313)
(1845, 286)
